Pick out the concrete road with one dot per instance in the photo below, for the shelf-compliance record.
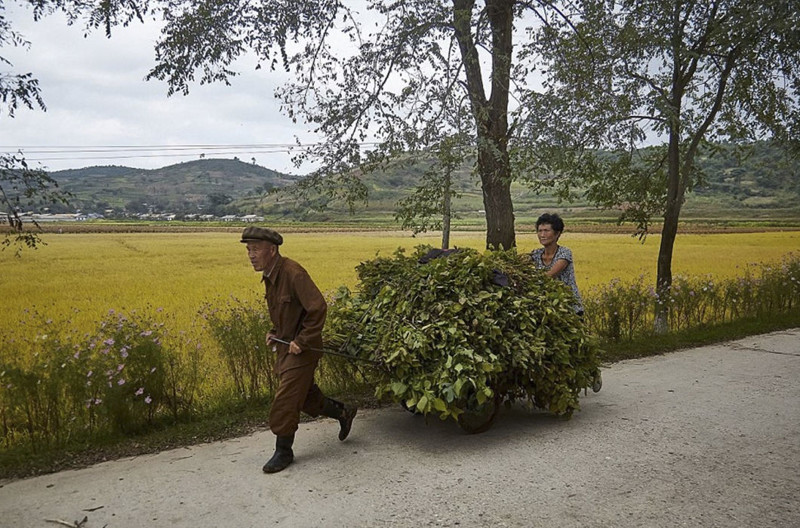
(700, 438)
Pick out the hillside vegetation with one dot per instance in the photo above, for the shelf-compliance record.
(190, 187)
(764, 185)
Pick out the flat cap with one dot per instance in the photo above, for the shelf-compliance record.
(254, 233)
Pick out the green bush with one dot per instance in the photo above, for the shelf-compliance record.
(618, 310)
(42, 391)
(449, 338)
(56, 385)
(186, 367)
(625, 311)
(240, 329)
(130, 376)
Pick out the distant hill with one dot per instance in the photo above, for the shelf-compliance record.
(192, 186)
(765, 185)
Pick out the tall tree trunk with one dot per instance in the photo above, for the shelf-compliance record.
(491, 115)
(446, 206)
(669, 232)
(675, 184)
(495, 175)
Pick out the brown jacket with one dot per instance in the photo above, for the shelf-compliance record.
(297, 309)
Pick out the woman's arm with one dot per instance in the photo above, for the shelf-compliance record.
(558, 267)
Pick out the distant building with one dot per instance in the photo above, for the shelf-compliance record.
(65, 217)
(252, 218)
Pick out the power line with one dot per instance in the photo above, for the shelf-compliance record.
(137, 148)
(121, 148)
(117, 156)
(115, 152)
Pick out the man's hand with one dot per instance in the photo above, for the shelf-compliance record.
(270, 343)
(293, 348)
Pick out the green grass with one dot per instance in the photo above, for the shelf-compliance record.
(661, 344)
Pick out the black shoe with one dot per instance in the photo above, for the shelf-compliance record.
(344, 413)
(283, 455)
(597, 384)
(346, 421)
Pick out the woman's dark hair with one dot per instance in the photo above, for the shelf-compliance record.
(554, 220)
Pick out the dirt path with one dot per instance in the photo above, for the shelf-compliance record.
(703, 437)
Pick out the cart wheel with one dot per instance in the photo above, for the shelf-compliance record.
(481, 419)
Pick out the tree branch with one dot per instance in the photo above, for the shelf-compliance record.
(698, 135)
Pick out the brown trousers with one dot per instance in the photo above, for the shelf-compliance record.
(296, 391)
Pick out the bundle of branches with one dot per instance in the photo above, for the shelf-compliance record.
(464, 331)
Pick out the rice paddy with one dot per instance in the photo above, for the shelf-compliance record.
(81, 277)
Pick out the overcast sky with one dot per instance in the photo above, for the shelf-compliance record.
(96, 96)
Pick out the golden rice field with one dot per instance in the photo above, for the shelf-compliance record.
(82, 276)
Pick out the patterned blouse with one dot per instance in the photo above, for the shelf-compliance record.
(567, 275)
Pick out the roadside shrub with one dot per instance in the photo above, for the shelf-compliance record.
(56, 385)
(461, 330)
(618, 310)
(626, 311)
(186, 367)
(337, 375)
(41, 390)
(239, 329)
(130, 376)
(689, 303)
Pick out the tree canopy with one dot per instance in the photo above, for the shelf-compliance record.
(20, 184)
(373, 84)
(623, 74)
(388, 77)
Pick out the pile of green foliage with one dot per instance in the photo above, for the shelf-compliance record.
(463, 331)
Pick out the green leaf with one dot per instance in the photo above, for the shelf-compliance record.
(457, 386)
(399, 388)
